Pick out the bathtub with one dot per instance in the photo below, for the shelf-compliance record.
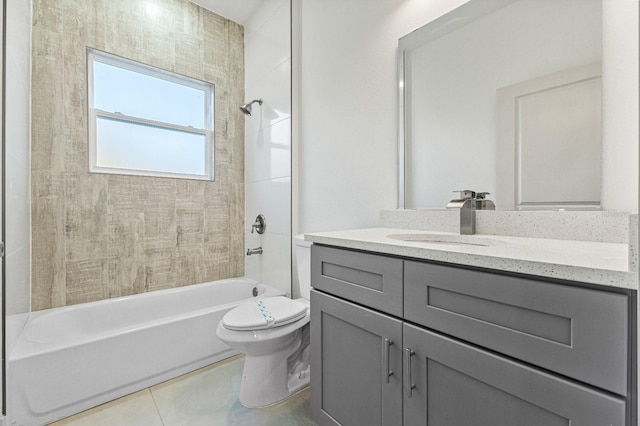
(69, 359)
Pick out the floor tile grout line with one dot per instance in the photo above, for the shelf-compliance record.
(155, 404)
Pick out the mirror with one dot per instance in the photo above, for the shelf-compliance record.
(503, 96)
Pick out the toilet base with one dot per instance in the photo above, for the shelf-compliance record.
(270, 379)
(266, 381)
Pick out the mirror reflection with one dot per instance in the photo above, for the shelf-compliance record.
(504, 96)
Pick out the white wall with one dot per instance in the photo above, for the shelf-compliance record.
(17, 185)
(268, 143)
(620, 110)
(348, 141)
(620, 104)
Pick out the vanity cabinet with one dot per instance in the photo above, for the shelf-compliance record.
(470, 348)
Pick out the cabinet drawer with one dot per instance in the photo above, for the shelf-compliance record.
(459, 384)
(580, 333)
(368, 279)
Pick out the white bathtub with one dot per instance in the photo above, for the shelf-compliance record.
(69, 359)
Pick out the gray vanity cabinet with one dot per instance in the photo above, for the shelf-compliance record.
(468, 347)
(356, 364)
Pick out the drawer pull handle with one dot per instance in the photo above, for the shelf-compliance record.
(385, 356)
(410, 385)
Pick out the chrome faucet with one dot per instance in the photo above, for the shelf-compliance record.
(257, 250)
(468, 203)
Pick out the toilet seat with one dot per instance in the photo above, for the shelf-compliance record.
(261, 314)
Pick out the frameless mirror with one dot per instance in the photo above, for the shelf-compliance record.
(503, 96)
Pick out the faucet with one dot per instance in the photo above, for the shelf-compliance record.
(251, 251)
(468, 202)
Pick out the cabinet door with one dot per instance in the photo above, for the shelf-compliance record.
(460, 385)
(353, 349)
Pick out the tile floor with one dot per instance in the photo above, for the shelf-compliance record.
(208, 396)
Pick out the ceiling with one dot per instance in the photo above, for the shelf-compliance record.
(237, 10)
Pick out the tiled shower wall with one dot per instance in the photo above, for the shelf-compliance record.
(268, 142)
(98, 236)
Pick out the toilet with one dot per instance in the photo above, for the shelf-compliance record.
(273, 333)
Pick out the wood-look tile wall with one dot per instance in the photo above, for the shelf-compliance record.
(98, 236)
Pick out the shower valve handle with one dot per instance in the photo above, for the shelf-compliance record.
(260, 224)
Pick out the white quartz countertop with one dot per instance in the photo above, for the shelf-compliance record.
(582, 261)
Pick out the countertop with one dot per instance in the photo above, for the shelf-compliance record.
(583, 261)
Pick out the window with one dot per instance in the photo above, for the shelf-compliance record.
(147, 121)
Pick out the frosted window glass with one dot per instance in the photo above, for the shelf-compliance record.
(126, 145)
(141, 95)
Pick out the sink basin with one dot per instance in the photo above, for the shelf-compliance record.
(449, 239)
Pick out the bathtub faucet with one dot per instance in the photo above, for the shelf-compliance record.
(254, 251)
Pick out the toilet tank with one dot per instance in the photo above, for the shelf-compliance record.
(303, 259)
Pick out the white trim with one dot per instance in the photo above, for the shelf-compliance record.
(403, 124)
(133, 172)
(94, 114)
(130, 65)
(117, 116)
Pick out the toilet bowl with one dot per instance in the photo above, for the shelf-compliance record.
(273, 333)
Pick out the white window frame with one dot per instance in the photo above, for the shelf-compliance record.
(94, 113)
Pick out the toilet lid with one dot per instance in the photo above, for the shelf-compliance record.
(265, 313)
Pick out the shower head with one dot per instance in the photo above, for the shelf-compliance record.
(246, 108)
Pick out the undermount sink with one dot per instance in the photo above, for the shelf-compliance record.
(464, 240)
